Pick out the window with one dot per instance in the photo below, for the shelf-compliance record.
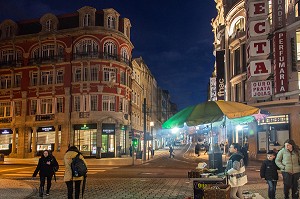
(49, 25)
(87, 20)
(77, 103)
(60, 76)
(298, 45)
(121, 104)
(86, 47)
(111, 22)
(94, 73)
(33, 107)
(48, 51)
(85, 74)
(77, 75)
(7, 55)
(5, 82)
(18, 79)
(123, 78)
(108, 103)
(18, 108)
(34, 79)
(237, 65)
(60, 105)
(109, 74)
(85, 103)
(5, 109)
(8, 31)
(46, 106)
(46, 77)
(124, 55)
(297, 9)
(110, 48)
(94, 103)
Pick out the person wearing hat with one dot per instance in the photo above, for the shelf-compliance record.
(268, 171)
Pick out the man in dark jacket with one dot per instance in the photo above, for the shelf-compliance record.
(268, 171)
(47, 166)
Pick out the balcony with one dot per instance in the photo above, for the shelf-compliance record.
(44, 117)
(11, 63)
(101, 55)
(43, 60)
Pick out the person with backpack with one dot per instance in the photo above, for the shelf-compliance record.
(47, 166)
(75, 171)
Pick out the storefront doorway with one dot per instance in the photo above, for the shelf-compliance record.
(108, 140)
(46, 139)
(6, 141)
(85, 138)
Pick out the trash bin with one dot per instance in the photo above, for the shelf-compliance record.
(1, 157)
(139, 154)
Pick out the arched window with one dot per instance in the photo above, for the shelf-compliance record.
(86, 47)
(124, 55)
(111, 22)
(49, 25)
(110, 48)
(238, 24)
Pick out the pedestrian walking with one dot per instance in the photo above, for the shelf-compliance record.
(287, 160)
(206, 145)
(197, 149)
(68, 176)
(268, 171)
(46, 167)
(171, 150)
(235, 170)
(130, 150)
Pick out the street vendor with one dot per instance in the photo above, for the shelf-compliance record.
(236, 172)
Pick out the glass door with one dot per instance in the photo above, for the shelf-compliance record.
(108, 146)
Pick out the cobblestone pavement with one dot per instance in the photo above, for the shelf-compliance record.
(128, 188)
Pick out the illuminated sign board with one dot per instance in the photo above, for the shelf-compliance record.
(278, 119)
(5, 131)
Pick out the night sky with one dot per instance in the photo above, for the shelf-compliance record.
(174, 37)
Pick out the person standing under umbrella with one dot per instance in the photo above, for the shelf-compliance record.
(288, 161)
(236, 172)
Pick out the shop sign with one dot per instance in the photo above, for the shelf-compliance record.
(108, 128)
(6, 131)
(278, 14)
(278, 119)
(220, 80)
(261, 88)
(258, 48)
(46, 129)
(259, 68)
(257, 9)
(258, 28)
(280, 63)
(85, 126)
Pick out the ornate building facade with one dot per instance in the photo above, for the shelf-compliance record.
(256, 45)
(66, 80)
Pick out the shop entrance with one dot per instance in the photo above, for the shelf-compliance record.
(108, 141)
(85, 139)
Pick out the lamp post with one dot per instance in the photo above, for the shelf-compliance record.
(151, 126)
(145, 129)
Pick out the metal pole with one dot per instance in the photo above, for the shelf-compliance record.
(145, 129)
(132, 145)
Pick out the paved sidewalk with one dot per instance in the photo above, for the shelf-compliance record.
(18, 189)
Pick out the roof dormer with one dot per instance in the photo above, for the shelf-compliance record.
(111, 19)
(8, 29)
(86, 16)
(49, 22)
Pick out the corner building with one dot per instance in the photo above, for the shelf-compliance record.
(257, 43)
(65, 80)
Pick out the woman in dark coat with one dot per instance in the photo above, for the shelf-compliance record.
(46, 168)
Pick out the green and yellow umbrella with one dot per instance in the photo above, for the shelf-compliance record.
(209, 112)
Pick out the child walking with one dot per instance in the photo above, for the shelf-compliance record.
(268, 171)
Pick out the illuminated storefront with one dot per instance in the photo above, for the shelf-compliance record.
(272, 132)
(6, 136)
(85, 138)
(108, 140)
(46, 138)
